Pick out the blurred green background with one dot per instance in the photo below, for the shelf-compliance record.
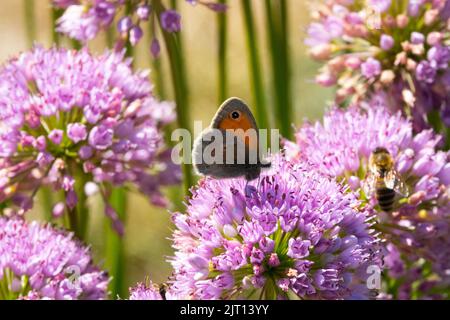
(148, 229)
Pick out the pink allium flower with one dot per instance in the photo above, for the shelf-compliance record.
(84, 19)
(341, 146)
(297, 233)
(39, 262)
(65, 114)
(401, 50)
(145, 292)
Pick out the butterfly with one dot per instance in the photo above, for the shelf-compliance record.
(229, 147)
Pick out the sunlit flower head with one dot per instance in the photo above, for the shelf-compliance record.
(396, 50)
(68, 118)
(83, 20)
(341, 146)
(294, 234)
(40, 262)
(148, 291)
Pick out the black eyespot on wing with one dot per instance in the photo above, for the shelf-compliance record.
(235, 115)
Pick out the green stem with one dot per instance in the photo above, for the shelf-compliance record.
(178, 72)
(222, 63)
(157, 65)
(115, 250)
(56, 14)
(46, 198)
(73, 221)
(76, 44)
(82, 208)
(30, 21)
(255, 66)
(447, 138)
(114, 247)
(435, 120)
(158, 79)
(128, 46)
(110, 37)
(277, 21)
(79, 216)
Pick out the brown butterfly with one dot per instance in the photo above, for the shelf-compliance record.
(232, 144)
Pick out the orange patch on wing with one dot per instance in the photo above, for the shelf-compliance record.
(244, 124)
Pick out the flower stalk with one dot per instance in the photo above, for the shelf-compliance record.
(180, 86)
(259, 99)
(222, 61)
(277, 22)
(30, 21)
(115, 261)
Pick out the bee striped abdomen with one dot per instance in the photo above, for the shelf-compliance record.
(385, 197)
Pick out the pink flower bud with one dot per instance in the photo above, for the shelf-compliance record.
(434, 38)
(387, 76)
(320, 52)
(402, 21)
(326, 79)
(431, 16)
(416, 198)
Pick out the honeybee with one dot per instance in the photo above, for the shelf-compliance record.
(383, 180)
(162, 289)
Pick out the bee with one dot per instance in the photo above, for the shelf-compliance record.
(162, 289)
(383, 180)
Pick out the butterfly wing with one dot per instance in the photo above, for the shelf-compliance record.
(210, 156)
(232, 142)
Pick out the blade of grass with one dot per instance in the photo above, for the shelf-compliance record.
(114, 247)
(259, 99)
(128, 46)
(277, 22)
(158, 79)
(46, 198)
(178, 73)
(174, 193)
(30, 21)
(82, 208)
(115, 251)
(79, 215)
(222, 48)
(56, 14)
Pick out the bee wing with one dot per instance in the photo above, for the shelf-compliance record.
(369, 184)
(394, 181)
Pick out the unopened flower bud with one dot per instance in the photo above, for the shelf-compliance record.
(400, 59)
(434, 38)
(402, 21)
(411, 64)
(408, 97)
(326, 79)
(353, 62)
(416, 198)
(320, 52)
(387, 76)
(431, 16)
(417, 49)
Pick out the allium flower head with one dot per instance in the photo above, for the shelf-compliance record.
(341, 146)
(397, 50)
(39, 262)
(66, 115)
(84, 19)
(143, 291)
(297, 234)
